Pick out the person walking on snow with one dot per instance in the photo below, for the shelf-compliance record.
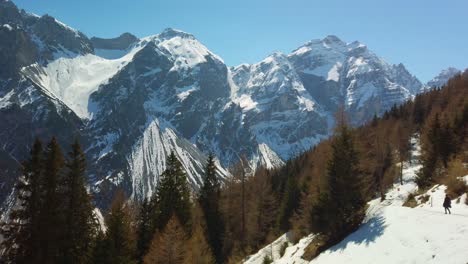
(447, 204)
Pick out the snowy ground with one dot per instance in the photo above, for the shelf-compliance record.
(393, 233)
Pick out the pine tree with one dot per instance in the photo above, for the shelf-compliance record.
(289, 204)
(145, 229)
(51, 226)
(117, 245)
(209, 197)
(341, 209)
(418, 110)
(80, 223)
(167, 247)
(447, 143)
(431, 149)
(21, 242)
(173, 194)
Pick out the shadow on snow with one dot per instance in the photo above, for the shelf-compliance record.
(367, 233)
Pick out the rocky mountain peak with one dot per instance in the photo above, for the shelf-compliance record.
(169, 33)
(276, 57)
(59, 39)
(332, 39)
(442, 78)
(9, 13)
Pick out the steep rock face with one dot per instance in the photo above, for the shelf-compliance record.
(276, 107)
(16, 50)
(288, 101)
(57, 39)
(137, 117)
(348, 74)
(442, 78)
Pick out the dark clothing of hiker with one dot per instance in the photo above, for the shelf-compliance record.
(447, 204)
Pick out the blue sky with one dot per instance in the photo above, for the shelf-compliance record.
(425, 35)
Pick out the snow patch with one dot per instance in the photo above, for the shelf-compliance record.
(184, 92)
(245, 102)
(5, 100)
(7, 26)
(333, 74)
(73, 80)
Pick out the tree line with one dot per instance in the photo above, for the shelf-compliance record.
(323, 190)
(53, 220)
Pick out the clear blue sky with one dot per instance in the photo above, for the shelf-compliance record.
(425, 35)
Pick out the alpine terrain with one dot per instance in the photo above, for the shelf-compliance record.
(131, 101)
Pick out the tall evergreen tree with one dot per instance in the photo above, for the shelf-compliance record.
(80, 222)
(447, 143)
(430, 151)
(209, 198)
(21, 241)
(418, 110)
(51, 216)
(173, 194)
(289, 204)
(341, 209)
(145, 229)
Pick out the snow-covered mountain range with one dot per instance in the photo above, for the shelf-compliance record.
(131, 101)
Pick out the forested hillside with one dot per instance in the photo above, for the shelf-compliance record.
(324, 190)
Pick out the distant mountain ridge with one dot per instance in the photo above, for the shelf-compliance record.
(442, 78)
(131, 101)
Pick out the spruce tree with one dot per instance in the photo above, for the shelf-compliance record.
(145, 229)
(209, 198)
(447, 143)
(51, 218)
(289, 204)
(21, 242)
(341, 209)
(431, 149)
(173, 194)
(80, 223)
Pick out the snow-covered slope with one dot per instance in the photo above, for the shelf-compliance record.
(393, 233)
(73, 80)
(148, 159)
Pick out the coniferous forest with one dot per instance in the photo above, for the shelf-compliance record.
(324, 190)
